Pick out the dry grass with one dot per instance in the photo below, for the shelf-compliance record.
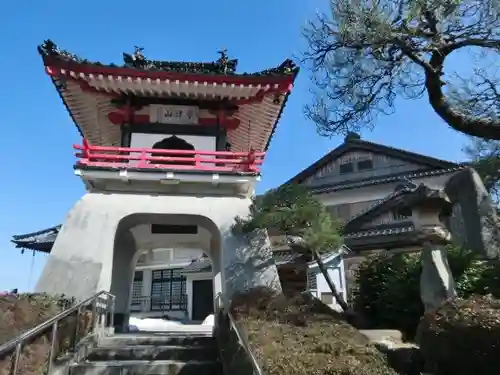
(19, 313)
(301, 335)
(462, 337)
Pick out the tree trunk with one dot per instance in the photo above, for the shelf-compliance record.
(329, 281)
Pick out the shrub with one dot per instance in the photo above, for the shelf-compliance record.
(387, 291)
(301, 335)
(462, 337)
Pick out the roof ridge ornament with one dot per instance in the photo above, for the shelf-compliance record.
(137, 59)
(49, 49)
(287, 67)
(225, 65)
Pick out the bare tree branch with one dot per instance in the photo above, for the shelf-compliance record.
(368, 52)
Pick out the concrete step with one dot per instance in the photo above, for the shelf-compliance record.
(121, 340)
(154, 353)
(147, 368)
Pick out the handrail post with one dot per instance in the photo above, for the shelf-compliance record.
(142, 160)
(94, 315)
(74, 340)
(112, 313)
(52, 347)
(15, 345)
(15, 359)
(86, 149)
(197, 160)
(250, 162)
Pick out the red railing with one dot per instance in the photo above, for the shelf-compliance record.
(128, 157)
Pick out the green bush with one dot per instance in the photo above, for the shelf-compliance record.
(387, 291)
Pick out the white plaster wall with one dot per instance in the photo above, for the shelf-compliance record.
(82, 259)
(337, 274)
(374, 192)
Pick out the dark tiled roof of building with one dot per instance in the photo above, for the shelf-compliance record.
(204, 265)
(284, 257)
(384, 180)
(382, 230)
(42, 240)
(280, 257)
(406, 188)
(199, 265)
(353, 142)
(407, 195)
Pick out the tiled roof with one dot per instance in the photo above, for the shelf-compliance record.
(404, 195)
(283, 257)
(42, 240)
(199, 265)
(354, 142)
(280, 257)
(381, 231)
(383, 180)
(204, 265)
(137, 61)
(408, 187)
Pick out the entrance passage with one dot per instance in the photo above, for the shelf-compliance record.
(203, 299)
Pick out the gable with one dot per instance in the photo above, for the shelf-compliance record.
(361, 164)
(386, 161)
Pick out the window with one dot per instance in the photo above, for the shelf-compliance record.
(312, 283)
(364, 165)
(137, 290)
(168, 290)
(402, 213)
(346, 168)
(173, 229)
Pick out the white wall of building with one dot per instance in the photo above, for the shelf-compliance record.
(336, 272)
(374, 192)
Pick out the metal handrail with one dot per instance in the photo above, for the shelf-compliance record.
(240, 335)
(17, 342)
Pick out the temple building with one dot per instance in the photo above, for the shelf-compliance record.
(360, 182)
(170, 155)
(177, 282)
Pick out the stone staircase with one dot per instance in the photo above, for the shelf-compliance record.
(170, 353)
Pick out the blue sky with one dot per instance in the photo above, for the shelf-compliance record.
(36, 158)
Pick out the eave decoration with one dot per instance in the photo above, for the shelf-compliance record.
(137, 60)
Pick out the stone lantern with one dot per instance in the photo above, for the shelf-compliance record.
(429, 207)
